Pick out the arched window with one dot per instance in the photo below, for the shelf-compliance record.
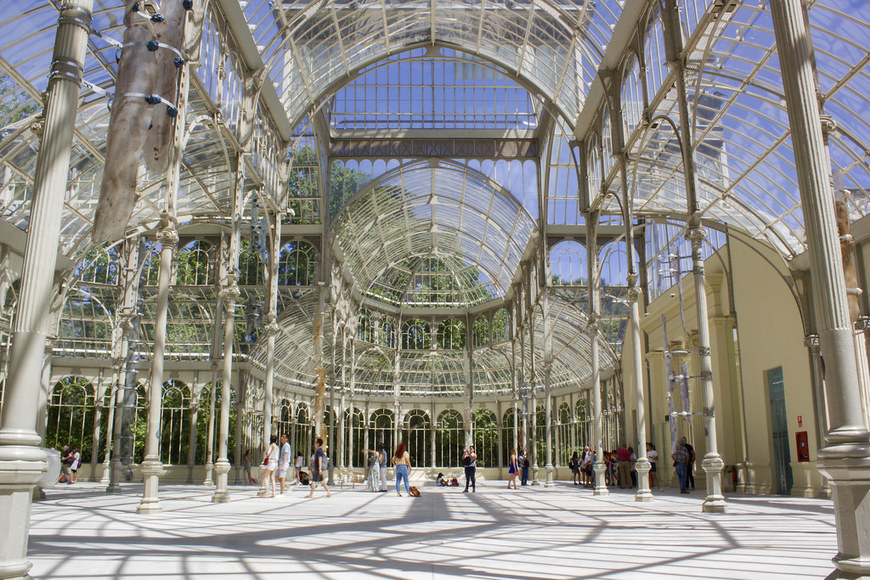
(100, 266)
(366, 326)
(175, 423)
(354, 419)
(480, 332)
(568, 263)
(583, 414)
(449, 438)
(565, 448)
(202, 423)
(194, 265)
(451, 334)
(507, 433)
(501, 325)
(416, 335)
(387, 332)
(541, 435)
(486, 438)
(251, 267)
(297, 265)
(593, 168)
(654, 52)
(284, 423)
(606, 142)
(632, 97)
(150, 265)
(302, 432)
(71, 416)
(417, 436)
(381, 425)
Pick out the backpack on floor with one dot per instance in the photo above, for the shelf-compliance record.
(414, 491)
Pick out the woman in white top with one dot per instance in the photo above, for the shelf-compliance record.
(653, 456)
(270, 462)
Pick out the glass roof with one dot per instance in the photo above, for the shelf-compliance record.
(438, 215)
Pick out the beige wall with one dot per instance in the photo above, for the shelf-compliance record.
(769, 334)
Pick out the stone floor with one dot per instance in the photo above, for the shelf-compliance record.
(533, 532)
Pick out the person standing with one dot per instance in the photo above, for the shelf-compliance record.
(469, 460)
(300, 461)
(514, 469)
(317, 465)
(382, 457)
(524, 466)
(270, 462)
(74, 465)
(246, 463)
(623, 466)
(574, 464)
(402, 462)
(652, 456)
(373, 477)
(690, 466)
(283, 461)
(65, 458)
(681, 458)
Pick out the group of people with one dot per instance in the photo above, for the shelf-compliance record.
(276, 464)
(620, 466)
(70, 461)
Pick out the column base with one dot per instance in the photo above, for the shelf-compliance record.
(715, 501)
(106, 479)
(209, 482)
(21, 467)
(642, 467)
(847, 466)
(221, 493)
(549, 482)
(151, 470)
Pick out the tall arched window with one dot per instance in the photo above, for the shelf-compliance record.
(194, 265)
(381, 425)
(355, 421)
(387, 332)
(632, 97)
(563, 435)
(451, 334)
(302, 432)
(297, 264)
(366, 326)
(251, 268)
(486, 438)
(202, 422)
(416, 335)
(449, 438)
(507, 434)
(480, 332)
(284, 423)
(568, 262)
(175, 423)
(100, 266)
(417, 435)
(501, 325)
(71, 416)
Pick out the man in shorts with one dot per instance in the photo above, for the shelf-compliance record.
(317, 464)
(283, 461)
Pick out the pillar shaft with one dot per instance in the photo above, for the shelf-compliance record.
(845, 459)
(151, 466)
(22, 461)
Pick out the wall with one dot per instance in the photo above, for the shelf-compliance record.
(769, 334)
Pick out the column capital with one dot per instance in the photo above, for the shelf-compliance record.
(270, 325)
(634, 292)
(696, 234)
(812, 342)
(167, 234)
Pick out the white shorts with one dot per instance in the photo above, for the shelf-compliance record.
(282, 471)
